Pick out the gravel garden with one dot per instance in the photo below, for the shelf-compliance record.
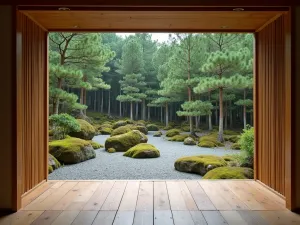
(103, 148)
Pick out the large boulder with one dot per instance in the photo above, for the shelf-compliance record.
(200, 164)
(152, 127)
(120, 123)
(189, 141)
(87, 131)
(172, 132)
(143, 150)
(229, 173)
(178, 137)
(123, 142)
(71, 150)
(53, 163)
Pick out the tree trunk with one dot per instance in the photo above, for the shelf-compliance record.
(245, 112)
(226, 114)
(95, 101)
(161, 114)
(102, 100)
(137, 111)
(149, 116)
(56, 101)
(84, 100)
(220, 137)
(230, 115)
(108, 110)
(131, 110)
(209, 116)
(167, 114)
(144, 110)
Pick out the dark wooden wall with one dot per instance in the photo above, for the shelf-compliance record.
(272, 111)
(32, 103)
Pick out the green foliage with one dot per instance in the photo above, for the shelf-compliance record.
(230, 173)
(195, 108)
(143, 150)
(247, 141)
(232, 138)
(235, 146)
(172, 132)
(62, 124)
(246, 102)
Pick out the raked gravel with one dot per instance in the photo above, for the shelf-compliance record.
(115, 166)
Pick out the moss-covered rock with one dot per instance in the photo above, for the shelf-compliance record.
(169, 127)
(178, 137)
(157, 134)
(121, 130)
(50, 169)
(120, 123)
(189, 141)
(51, 132)
(53, 163)
(123, 142)
(210, 141)
(172, 132)
(235, 146)
(71, 150)
(141, 128)
(230, 173)
(96, 145)
(152, 127)
(141, 122)
(232, 138)
(185, 128)
(111, 150)
(199, 164)
(105, 130)
(143, 150)
(230, 132)
(87, 131)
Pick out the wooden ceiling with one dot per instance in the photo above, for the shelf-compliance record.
(56, 20)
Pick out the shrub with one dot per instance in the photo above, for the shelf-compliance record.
(247, 141)
(152, 127)
(86, 132)
(235, 146)
(229, 173)
(172, 132)
(143, 150)
(63, 124)
(178, 137)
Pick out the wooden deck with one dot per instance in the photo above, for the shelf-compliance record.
(152, 202)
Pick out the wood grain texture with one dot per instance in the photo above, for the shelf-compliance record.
(32, 114)
(271, 113)
(151, 20)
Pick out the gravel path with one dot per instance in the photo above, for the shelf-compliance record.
(111, 166)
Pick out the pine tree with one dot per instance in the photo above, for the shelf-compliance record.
(222, 65)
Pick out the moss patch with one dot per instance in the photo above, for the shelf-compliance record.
(157, 134)
(185, 128)
(189, 141)
(235, 146)
(50, 169)
(232, 138)
(96, 145)
(51, 132)
(87, 131)
(199, 164)
(120, 130)
(143, 150)
(230, 132)
(53, 163)
(123, 142)
(71, 150)
(230, 173)
(178, 137)
(210, 141)
(152, 127)
(172, 132)
(105, 130)
(120, 123)
(111, 150)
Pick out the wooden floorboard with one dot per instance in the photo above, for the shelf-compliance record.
(174, 202)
